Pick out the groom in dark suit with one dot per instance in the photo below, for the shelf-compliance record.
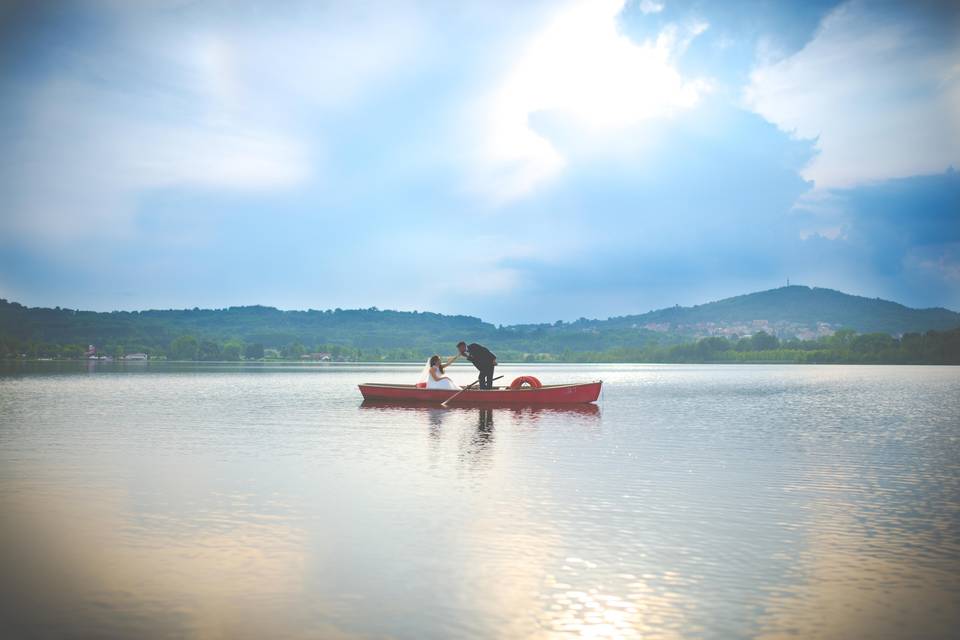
(482, 359)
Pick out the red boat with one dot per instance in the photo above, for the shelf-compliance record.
(546, 394)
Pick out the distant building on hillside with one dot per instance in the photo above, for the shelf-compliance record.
(321, 356)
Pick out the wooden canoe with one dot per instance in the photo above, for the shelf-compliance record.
(547, 394)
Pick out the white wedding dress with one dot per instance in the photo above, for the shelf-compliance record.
(437, 384)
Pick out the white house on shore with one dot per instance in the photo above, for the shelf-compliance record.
(136, 356)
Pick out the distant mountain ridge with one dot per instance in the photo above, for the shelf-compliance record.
(787, 312)
(794, 311)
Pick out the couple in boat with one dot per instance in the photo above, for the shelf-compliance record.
(433, 376)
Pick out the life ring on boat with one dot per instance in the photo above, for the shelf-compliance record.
(528, 380)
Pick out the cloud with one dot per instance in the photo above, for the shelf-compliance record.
(878, 89)
(86, 155)
(305, 58)
(700, 215)
(581, 66)
(616, 166)
(686, 214)
(651, 6)
(899, 239)
(171, 96)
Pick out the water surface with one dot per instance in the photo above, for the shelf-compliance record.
(233, 501)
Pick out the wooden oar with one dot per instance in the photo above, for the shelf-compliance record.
(444, 403)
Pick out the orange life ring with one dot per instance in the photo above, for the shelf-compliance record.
(522, 380)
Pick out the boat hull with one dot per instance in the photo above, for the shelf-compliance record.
(546, 395)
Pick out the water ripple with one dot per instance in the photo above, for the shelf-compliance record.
(695, 501)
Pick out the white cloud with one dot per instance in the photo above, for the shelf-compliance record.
(583, 68)
(881, 98)
(650, 6)
(325, 60)
(187, 98)
(939, 261)
(86, 156)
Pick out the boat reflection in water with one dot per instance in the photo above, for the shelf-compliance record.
(486, 413)
(588, 409)
(467, 432)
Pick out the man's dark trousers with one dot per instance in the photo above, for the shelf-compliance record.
(486, 377)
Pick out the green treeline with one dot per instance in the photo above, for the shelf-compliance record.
(266, 333)
(845, 346)
(189, 348)
(353, 334)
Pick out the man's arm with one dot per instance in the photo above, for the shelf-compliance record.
(483, 355)
(480, 351)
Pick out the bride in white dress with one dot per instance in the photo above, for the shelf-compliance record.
(433, 376)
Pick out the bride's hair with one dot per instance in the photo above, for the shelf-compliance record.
(435, 360)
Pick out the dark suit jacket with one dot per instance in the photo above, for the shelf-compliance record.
(480, 356)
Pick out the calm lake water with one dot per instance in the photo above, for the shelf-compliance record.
(226, 501)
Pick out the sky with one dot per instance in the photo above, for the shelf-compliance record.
(516, 161)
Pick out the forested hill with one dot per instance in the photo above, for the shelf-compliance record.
(148, 330)
(786, 313)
